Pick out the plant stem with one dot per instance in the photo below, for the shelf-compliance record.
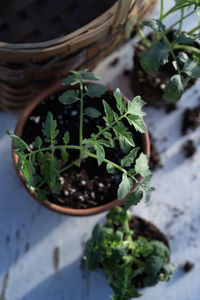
(161, 9)
(69, 166)
(187, 47)
(173, 9)
(81, 114)
(143, 37)
(181, 21)
(53, 148)
(172, 53)
(193, 30)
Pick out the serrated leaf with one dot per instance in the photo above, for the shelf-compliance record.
(99, 152)
(49, 127)
(155, 25)
(64, 154)
(108, 136)
(148, 193)
(19, 144)
(185, 39)
(41, 195)
(110, 169)
(49, 168)
(121, 105)
(133, 199)
(38, 142)
(174, 89)
(135, 107)
(137, 122)
(69, 97)
(191, 68)
(89, 76)
(69, 80)
(66, 137)
(28, 171)
(108, 112)
(183, 57)
(151, 60)
(141, 165)
(92, 112)
(124, 187)
(128, 160)
(95, 90)
(123, 134)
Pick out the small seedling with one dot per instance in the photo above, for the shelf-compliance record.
(126, 262)
(40, 165)
(181, 50)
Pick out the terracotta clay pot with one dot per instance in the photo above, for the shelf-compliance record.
(58, 88)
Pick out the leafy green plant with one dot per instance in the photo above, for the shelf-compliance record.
(126, 261)
(42, 168)
(161, 49)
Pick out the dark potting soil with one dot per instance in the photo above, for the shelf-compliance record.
(191, 119)
(188, 266)
(189, 148)
(90, 185)
(144, 228)
(150, 86)
(41, 20)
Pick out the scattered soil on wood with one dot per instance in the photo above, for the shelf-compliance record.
(188, 266)
(115, 62)
(191, 119)
(150, 86)
(189, 148)
(56, 258)
(90, 185)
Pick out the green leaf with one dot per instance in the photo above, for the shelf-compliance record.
(70, 80)
(41, 195)
(108, 136)
(99, 152)
(124, 187)
(28, 171)
(151, 60)
(49, 167)
(183, 57)
(95, 90)
(69, 97)
(133, 199)
(128, 160)
(64, 154)
(19, 144)
(137, 122)
(49, 127)
(89, 76)
(121, 105)
(174, 89)
(92, 112)
(66, 137)
(122, 133)
(191, 68)
(155, 25)
(110, 168)
(38, 142)
(148, 193)
(135, 107)
(108, 112)
(185, 39)
(141, 165)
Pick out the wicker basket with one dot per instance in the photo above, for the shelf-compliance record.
(27, 68)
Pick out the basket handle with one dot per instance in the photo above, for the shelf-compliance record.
(123, 8)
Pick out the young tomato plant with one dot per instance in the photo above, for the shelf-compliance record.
(126, 261)
(42, 168)
(161, 48)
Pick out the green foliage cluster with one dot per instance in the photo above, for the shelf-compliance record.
(113, 134)
(161, 48)
(112, 248)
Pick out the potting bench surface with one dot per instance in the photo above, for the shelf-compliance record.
(41, 251)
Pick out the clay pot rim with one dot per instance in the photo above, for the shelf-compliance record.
(56, 88)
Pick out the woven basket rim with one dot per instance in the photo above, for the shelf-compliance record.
(94, 24)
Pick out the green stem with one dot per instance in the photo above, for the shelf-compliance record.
(81, 114)
(181, 21)
(161, 9)
(146, 42)
(53, 148)
(186, 47)
(193, 30)
(172, 53)
(173, 9)
(69, 166)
